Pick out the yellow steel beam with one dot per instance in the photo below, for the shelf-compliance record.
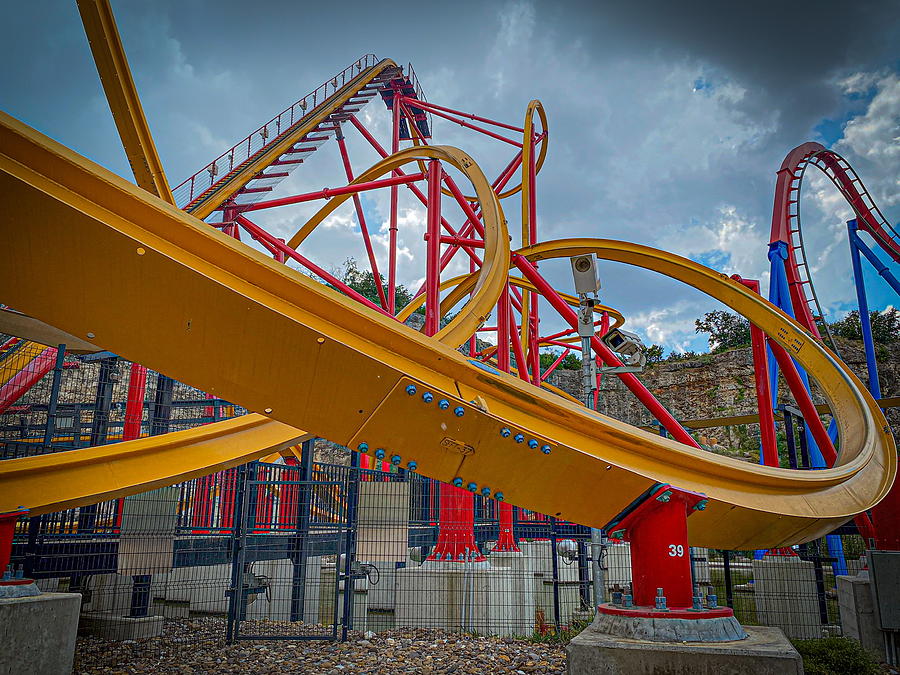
(228, 188)
(47, 483)
(112, 65)
(231, 321)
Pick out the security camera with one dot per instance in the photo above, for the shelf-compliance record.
(626, 344)
(584, 270)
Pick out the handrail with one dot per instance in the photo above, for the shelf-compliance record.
(241, 151)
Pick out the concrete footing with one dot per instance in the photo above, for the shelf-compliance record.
(858, 620)
(37, 634)
(766, 651)
(664, 629)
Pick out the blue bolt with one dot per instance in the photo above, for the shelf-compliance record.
(519, 438)
(395, 459)
(411, 389)
(459, 412)
(545, 449)
(443, 404)
(379, 453)
(499, 496)
(712, 601)
(457, 482)
(363, 447)
(472, 487)
(486, 492)
(701, 505)
(533, 444)
(505, 432)
(428, 397)
(412, 466)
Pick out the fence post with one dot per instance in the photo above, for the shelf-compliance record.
(299, 547)
(238, 539)
(350, 543)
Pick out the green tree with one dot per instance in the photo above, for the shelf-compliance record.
(363, 282)
(726, 330)
(654, 353)
(885, 326)
(570, 362)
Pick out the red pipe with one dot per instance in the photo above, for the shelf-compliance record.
(361, 217)
(503, 317)
(459, 241)
(804, 402)
(392, 223)
(261, 234)
(25, 379)
(433, 106)
(327, 193)
(433, 253)
(415, 190)
(476, 128)
(628, 379)
(554, 366)
(134, 405)
(763, 390)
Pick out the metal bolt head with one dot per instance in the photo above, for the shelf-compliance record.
(428, 397)
(701, 505)
(412, 466)
(471, 487)
(546, 449)
(486, 492)
(363, 447)
(411, 389)
(505, 432)
(533, 444)
(395, 459)
(459, 411)
(443, 404)
(499, 496)
(457, 482)
(519, 438)
(379, 453)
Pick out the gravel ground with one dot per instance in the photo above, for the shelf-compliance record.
(198, 646)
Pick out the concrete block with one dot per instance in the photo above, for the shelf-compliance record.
(37, 634)
(454, 596)
(117, 627)
(784, 590)
(858, 619)
(765, 652)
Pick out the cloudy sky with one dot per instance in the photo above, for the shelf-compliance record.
(667, 124)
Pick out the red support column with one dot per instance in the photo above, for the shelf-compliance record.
(433, 250)
(506, 542)
(763, 390)
(392, 223)
(660, 557)
(7, 530)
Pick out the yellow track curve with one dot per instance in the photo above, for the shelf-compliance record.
(233, 322)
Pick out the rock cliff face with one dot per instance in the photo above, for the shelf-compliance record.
(722, 385)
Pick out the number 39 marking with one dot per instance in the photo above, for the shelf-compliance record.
(676, 550)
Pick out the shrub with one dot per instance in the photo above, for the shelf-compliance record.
(836, 656)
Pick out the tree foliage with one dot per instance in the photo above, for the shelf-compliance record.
(363, 282)
(726, 330)
(570, 362)
(654, 353)
(885, 326)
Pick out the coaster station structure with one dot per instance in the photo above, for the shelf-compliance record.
(484, 422)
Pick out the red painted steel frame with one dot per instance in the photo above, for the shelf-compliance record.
(804, 402)
(431, 106)
(327, 193)
(660, 555)
(363, 227)
(628, 379)
(433, 250)
(763, 390)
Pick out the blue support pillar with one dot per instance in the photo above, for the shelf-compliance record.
(863, 303)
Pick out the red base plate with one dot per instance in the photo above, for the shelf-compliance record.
(674, 613)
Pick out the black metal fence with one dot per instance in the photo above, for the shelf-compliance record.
(314, 545)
